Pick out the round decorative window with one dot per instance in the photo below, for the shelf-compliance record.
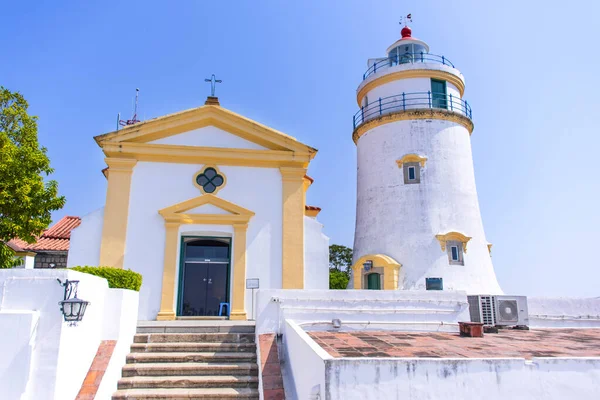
(210, 180)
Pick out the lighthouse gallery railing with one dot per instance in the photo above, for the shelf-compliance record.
(411, 101)
(406, 58)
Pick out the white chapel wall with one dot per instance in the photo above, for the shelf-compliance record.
(158, 185)
(316, 255)
(209, 136)
(84, 245)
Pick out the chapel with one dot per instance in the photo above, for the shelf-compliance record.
(207, 205)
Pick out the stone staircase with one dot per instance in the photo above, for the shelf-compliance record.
(191, 360)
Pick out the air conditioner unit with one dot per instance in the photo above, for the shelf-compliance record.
(512, 311)
(499, 310)
(483, 309)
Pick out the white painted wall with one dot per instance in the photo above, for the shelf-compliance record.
(564, 312)
(401, 220)
(304, 363)
(316, 255)
(51, 357)
(84, 245)
(209, 136)
(158, 185)
(416, 379)
(361, 309)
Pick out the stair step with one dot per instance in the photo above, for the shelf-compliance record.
(195, 326)
(167, 382)
(194, 337)
(190, 357)
(188, 368)
(173, 347)
(184, 394)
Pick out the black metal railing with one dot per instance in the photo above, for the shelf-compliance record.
(411, 101)
(406, 58)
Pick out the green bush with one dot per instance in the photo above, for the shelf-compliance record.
(117, 278)
(338, 279)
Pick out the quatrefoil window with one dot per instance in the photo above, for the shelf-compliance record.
(210, 180)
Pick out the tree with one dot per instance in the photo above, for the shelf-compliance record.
(340, 261)
(26, 201)
(340, 257)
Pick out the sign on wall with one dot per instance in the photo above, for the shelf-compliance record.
(252, 283)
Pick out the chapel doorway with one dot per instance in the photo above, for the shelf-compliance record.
(204, 277)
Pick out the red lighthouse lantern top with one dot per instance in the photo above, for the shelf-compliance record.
(406, 32)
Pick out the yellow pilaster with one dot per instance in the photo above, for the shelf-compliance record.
(238, 292)
(292, 276)
(116, 210)
(167, 302)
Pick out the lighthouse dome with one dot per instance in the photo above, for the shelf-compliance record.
(407, 46)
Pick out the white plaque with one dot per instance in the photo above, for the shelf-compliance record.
(252, 283)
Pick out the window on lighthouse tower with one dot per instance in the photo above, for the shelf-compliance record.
(412, 172)
(455, 253)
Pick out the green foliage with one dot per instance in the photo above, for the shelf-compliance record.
(7, 257)
(117, 278)
(340, 257)
(338, 279)
(26, 201)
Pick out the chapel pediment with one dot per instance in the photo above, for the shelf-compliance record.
(179, 125)
(206, 208)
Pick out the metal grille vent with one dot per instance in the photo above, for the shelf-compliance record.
(488, 310)
(508, 310)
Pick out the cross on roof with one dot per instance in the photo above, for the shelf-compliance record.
(213, 83)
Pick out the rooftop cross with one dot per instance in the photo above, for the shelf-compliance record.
(213, 83)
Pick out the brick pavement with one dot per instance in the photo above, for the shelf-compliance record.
(92, 381)
(272, 380)
(506, 343)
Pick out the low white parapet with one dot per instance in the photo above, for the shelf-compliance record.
(564, 312)
(361, 309)
(43, 358)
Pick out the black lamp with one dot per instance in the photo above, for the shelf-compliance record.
(72, 308)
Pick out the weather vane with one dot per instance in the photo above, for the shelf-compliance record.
(213, 83)
(406, 19)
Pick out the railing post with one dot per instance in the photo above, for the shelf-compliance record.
(429, 97)
(467, 112)
(403, 102)
(443, 60)
(375, 67)
(354, 121)
(397, 57)
(362, 114)
(451, 107)
(380, 106)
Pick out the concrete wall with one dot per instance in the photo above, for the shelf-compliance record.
(48, 359)
(316, 255)
(415, 379)
(304, 363)
(84, 245)
(361, 309)
(564, 312)
(401, 220)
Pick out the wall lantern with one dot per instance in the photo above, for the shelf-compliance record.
(367, 265)
(71, 307)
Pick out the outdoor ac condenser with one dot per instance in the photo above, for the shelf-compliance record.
(499, 310)
(512, 311)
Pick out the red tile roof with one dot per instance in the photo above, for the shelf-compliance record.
(55, 238)
(312, 208)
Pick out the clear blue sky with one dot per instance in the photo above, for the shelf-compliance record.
(530, 68)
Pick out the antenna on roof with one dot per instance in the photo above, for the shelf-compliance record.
(133, 119)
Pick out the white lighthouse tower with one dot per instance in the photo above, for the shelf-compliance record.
(418, 223)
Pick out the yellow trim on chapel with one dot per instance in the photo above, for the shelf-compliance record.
(116, 210)
(292, 274)
(411, 158)
(174, 217)
(391, 269)
(454, 236)
(408, 74)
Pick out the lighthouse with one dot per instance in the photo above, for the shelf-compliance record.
(418, 222)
